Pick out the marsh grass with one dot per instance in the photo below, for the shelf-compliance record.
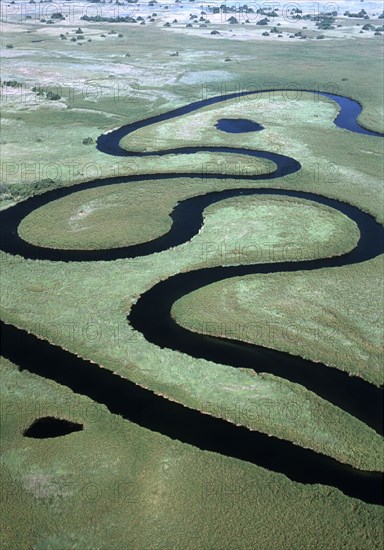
(133, 481)
(116, 482)
(112, 216)
(315, 315)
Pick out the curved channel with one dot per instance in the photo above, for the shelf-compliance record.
(151, 316)
(346, 119)
(173, 420)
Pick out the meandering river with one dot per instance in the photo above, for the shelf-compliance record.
(151, 316)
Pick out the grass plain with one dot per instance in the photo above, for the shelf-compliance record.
(83, 307)
(142, 488)
(108, 217)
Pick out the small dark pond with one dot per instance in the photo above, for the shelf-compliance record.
(238, 125)
(48, 426)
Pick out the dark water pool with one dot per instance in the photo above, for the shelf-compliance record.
(49, 426)
(238, 125)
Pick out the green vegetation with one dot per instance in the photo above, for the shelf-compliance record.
(11, 83)
(47, 94)
(143, 488)
(296, 124)
(58, 15)
(88, 141)
(255, 228)
(83, 308)
(312, 314)
(101, 19)
(17, 192)
(325, 22)
(99, 104)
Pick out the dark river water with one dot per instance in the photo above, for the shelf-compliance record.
(151, 316)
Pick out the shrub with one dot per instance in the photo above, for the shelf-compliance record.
(12, 83)
(52, 96)
(100, 19)
(88, 141)
(38, 90)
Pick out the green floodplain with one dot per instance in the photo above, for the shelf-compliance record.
(114, 484)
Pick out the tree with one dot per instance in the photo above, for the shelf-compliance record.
(88, 141)
(52, 96)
